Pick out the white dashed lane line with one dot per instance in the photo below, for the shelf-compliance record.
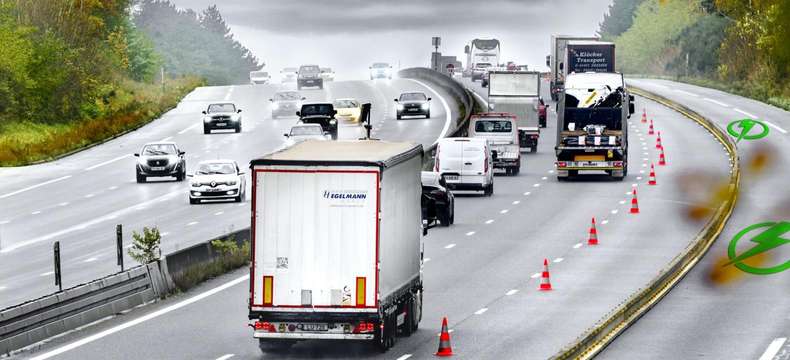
(219, 213)
(192, 223)
(577, 246)
(470, 233)
(536, 185)
(481, 311)
(745, 113)
(503, 211)
(426, 260)
(449, 246)
(187, 129)
(34, 186)
(604, 222)
(48, 273)
(535, 275)
(686, 93)
(404, 357)
(166, 139)
(516, 202)
(614, 211)
(36, 212)
(716, 102)
(558, 260)
(489, 221)
(526, 193)
(90, 259)
(108, 162)
(225, 357)
(773, 348)
(511, 292)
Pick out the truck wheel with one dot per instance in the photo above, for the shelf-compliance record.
(533, 149)
(408, 322)
(298, 87)
(573, 173)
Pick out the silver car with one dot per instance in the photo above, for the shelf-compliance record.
(304, 132)
(217, 180)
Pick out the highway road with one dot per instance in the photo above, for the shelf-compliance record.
(482, 272)
(78, 200)
(748, 317)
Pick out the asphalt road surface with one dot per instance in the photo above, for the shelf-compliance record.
(482, 272)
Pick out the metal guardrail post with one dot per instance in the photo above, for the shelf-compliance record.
(56, 251)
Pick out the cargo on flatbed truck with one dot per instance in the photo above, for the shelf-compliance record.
(336, 242)
(592, 125)
(556, 61)
(518, 93)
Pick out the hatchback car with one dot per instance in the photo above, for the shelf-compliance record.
(217, 180)
(438, 203)
(160, 159)
(221, 116)
(348, 109)
(413, 103)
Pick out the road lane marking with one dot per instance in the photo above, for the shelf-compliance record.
(544, 178)
(622, 202)
(526, 193)
(426, 260)
(614, 211)
(5, 222)
(535, 275)
(773, 348)
(187, 129)
(108, 162)
(34, 186)
(716, 102)
(404, 357)
(481, 311)
(604, 222)
(489, 221)
(48, 273)
(219, 213)
(112, 187)
(447, 113)
(504, 211)
(686, 93)
(89, 196)
(90, 259)
(511, 292)
(192, 223)
(558, 260)
(36, 212)
(783, 131)
(3, 288)
(142, 319)
(470, 233)
(225, 357)
(745, 113)
(535, 185)
(449, 246)
(551, 171)
(166, 139)
(63, 203)
(516, 202)
(577, 246)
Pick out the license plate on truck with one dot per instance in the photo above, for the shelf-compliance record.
(314, 327)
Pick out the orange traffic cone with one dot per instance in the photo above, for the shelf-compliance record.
(634, 203)
(593, 240)
(662, 160)
(658, 141)
(444, 341)
(545, 283)
(650, 129)
(652, 179)
(644, 115)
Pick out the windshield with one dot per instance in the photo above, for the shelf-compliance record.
(483, 65)
(218, 108)
(216, 169)
(412, 97)
(493, 126)
(306, 130)
(380, 65)
(346, 104)
(317, 109)
(287, 96)
(160, 149)
(259, 74)
(309, 69)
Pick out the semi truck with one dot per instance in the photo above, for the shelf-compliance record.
(517, 93)
(336, 239)
(589, 56)
(556, 60)
(592, 125)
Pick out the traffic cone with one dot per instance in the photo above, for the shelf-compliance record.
(644, 116)
(444, 341)
(652, 179)
(650, 129)
(545, 283)
(634, 203)
(658, 141)
(662, 160)
(593, 240)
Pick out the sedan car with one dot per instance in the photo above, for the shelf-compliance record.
(288, 75)
(217, 180)
(259, 77)
(304, 132)
(222, 116)
(380, 71)
(286, 103)
(413, 103)
(309, 76)
(438, 203)
(160, 159)
(327, 74)
(348, 109)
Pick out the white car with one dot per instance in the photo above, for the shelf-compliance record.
(465, 164)
(217, 180)
(304, 132)
(259, 77)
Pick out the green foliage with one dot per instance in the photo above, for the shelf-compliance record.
(233, 257)
(192, 43)
(701, 41)
(145, 246)
(224, 246)
(619, 18)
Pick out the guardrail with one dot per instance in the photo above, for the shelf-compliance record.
(613, 324)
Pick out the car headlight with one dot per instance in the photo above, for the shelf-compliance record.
(233, 182)
(399, 107)
(332, 122)
(425, 106)
(195, 184)
(206, 119)
(275, 106)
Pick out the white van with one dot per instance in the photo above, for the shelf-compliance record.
(465, 164)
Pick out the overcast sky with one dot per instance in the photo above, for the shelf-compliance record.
(349, 35)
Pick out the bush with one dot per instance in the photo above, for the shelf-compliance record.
(145, 246)
(231, 257)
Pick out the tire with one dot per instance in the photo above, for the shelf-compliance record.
(321, 86)
(141, 178)
(398, 117)
(238, 128)
(489, 190)
(516, 170)
(193, 201)
(408, 323)
(452, 215)
(573, 173)
(238, 198)
(206, 130)
(444, 216)
(298, 87)
(428, 115)
(533, 149)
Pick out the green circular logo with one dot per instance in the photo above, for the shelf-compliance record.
(744, 129)
(766, 240)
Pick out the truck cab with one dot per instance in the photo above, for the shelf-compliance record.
(322, 114)
(502, 135)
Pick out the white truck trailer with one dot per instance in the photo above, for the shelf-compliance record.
(517, 93)
(556, 61)
(336, 242)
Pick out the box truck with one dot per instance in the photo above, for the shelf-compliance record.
(589, 56)
(336, 242)
(517, 93)
(556, 60)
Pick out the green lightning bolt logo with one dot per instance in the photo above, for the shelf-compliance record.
(767, 240)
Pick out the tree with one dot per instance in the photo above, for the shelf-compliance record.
(619, 18)
(145, 246)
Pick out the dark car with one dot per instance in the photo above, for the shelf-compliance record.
(413, 103)
(286, 103)
(542, 113)
(309, 75)
(160, 159)
(438, 203)
(322, 114)
(221, 116)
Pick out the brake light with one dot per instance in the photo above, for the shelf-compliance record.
(268, 284)
(561, 164)
(361, 289)
(618, 164)
(265, 326)
(364, 327)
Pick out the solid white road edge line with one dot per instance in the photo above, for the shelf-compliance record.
(140, 320)
(34, 186)
(225, 357)
(448, 115)
(108, 162)
(686, 93)
(773, 348)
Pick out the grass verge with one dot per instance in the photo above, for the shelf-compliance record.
(230, 257)
(26, 142)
